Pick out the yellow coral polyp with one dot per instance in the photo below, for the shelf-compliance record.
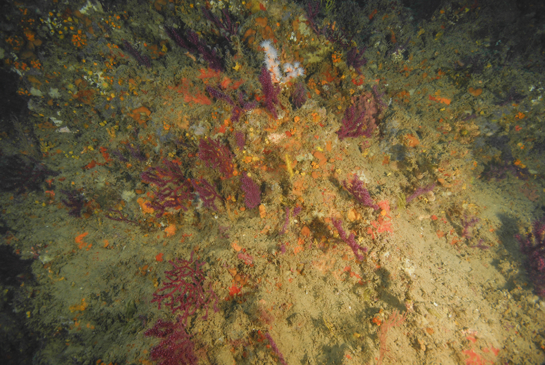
(35, 64)
(29, 35)
(79, 40)
(78, 307)
(288, 166)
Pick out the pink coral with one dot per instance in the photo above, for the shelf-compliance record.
(252, 194)
(270, 92)
(174, 190)
(175, 347)
(360, 118)
(183, 289)
(349, 240)
(533, 246)
(215, 154)
(360, 193)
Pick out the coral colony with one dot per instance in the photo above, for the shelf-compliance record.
(238, 109)
(206, 192)
(356, 59)
(420, 191)
(240, 140)
(173, 188)
(190, 41)
(143, 60)
(272, 64)
(20, 174)
(217, 155)
(296, 211)
(252, 195)
(74, 202)
(359, 118)
(275, 349)
(361, 194)
(183, 290)
(175, 346)
(299, 95)
(271, 75)
(467, 224)
(270, 92)
(349, 240)
(225, 24)
(533, 246)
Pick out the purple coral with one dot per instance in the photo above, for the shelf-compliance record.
(286, 221)
(214, 154)
(498, 170)
(206, 192)
(332, 33)
(354, 58)
(275, 349)
(242, 106)
(183, 289)
(175, 347)
(399, 48)
(238, 109)
(359, 118)
(218, 94)
(75, 202)
(174, 190)
(224, 23)
(533, 246)
(22, 174)
(511, 97)
(117, 216)
(313, 8)
(296, 211)
(270, 91)
(299, 95)
(179, 40)
(467, 224)
(349, 240)
(209, 54)
(338, 35)
(135, 152)
(240, 139)
(252, 194)
(190, 41)
(120, 156)
(361, 194)
(419, 191)
(379, 97)
(143, 60)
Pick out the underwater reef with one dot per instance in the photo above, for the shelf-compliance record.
(272, 182)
